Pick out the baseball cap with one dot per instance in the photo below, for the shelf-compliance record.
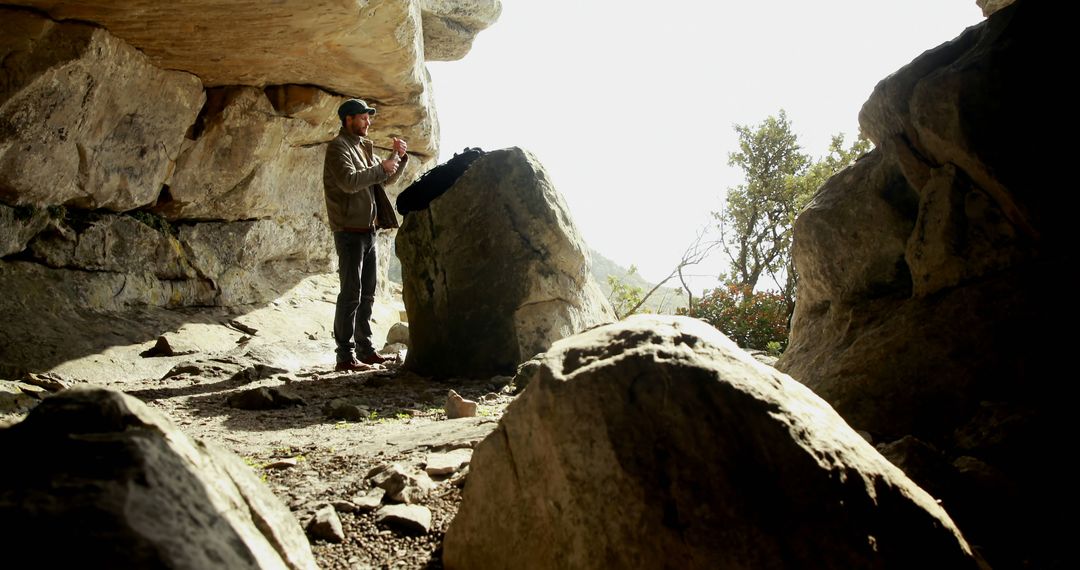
(354, 107)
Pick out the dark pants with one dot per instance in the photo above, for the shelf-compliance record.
(356, 271)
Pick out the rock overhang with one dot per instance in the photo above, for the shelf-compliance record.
(368, 48)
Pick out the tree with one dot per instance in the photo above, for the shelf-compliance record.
(758, 217)
(627, 299)
(755, 223)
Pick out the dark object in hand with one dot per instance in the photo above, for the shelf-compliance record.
(436, 182)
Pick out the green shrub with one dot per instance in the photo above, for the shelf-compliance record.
(751, 319)
(624, 296)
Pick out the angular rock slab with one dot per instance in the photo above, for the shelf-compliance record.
(657, 443)
(251, 161)
(414, 520)
(451, 25)
(494, 271)
(126, 489)
(76, 126)
(371, 49)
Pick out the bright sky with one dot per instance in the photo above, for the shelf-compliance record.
(630, 105)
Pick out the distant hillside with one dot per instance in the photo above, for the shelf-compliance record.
(664, 300)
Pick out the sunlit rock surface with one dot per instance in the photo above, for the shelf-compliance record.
(86, 119)
(657, 443)
(373, 49)
(451, 25)
(494, 271)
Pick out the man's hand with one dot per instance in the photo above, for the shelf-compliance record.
(390, 165)
(400, 147)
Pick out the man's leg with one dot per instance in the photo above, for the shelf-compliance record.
(350, 257)
(368, 268)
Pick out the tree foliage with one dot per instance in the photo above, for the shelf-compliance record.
(754, 222)
(625, 298)
(753, 319)
(758, 217)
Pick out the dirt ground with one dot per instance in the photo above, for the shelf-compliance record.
(307, 456)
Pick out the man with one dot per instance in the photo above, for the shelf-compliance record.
(356, 206)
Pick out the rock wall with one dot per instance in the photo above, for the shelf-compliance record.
(928, 269)
(171, 155)
(200, 112)
(74, 120)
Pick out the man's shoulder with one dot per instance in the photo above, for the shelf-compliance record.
(341, 139)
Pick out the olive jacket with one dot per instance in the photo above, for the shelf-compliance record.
(353, 179)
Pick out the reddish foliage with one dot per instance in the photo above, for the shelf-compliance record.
(751, 319)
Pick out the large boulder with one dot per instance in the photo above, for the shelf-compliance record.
(927, 269)
(904, 256)
(124, 488)
(494, 271)
(76, 125)
(657, 443)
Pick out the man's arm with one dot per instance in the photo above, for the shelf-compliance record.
(347, 175)
(400, 146)
(402, 161)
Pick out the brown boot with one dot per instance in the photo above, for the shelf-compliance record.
(353, 365)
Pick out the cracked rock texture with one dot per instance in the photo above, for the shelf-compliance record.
(494, 271)
(75, 126)
(600, 463)
(451, 25)
(372, 49)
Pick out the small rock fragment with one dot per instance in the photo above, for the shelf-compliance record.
(49, 381)
(448, 463)
(243, 328)
(326, 525)
(263, 399)
(399, 484)
(160, 348)
(344, 506)
(370, 500)
(405, 519)
(398, 334)
(282, 463)
(179, 369)
(342, 409)
(458, 407)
